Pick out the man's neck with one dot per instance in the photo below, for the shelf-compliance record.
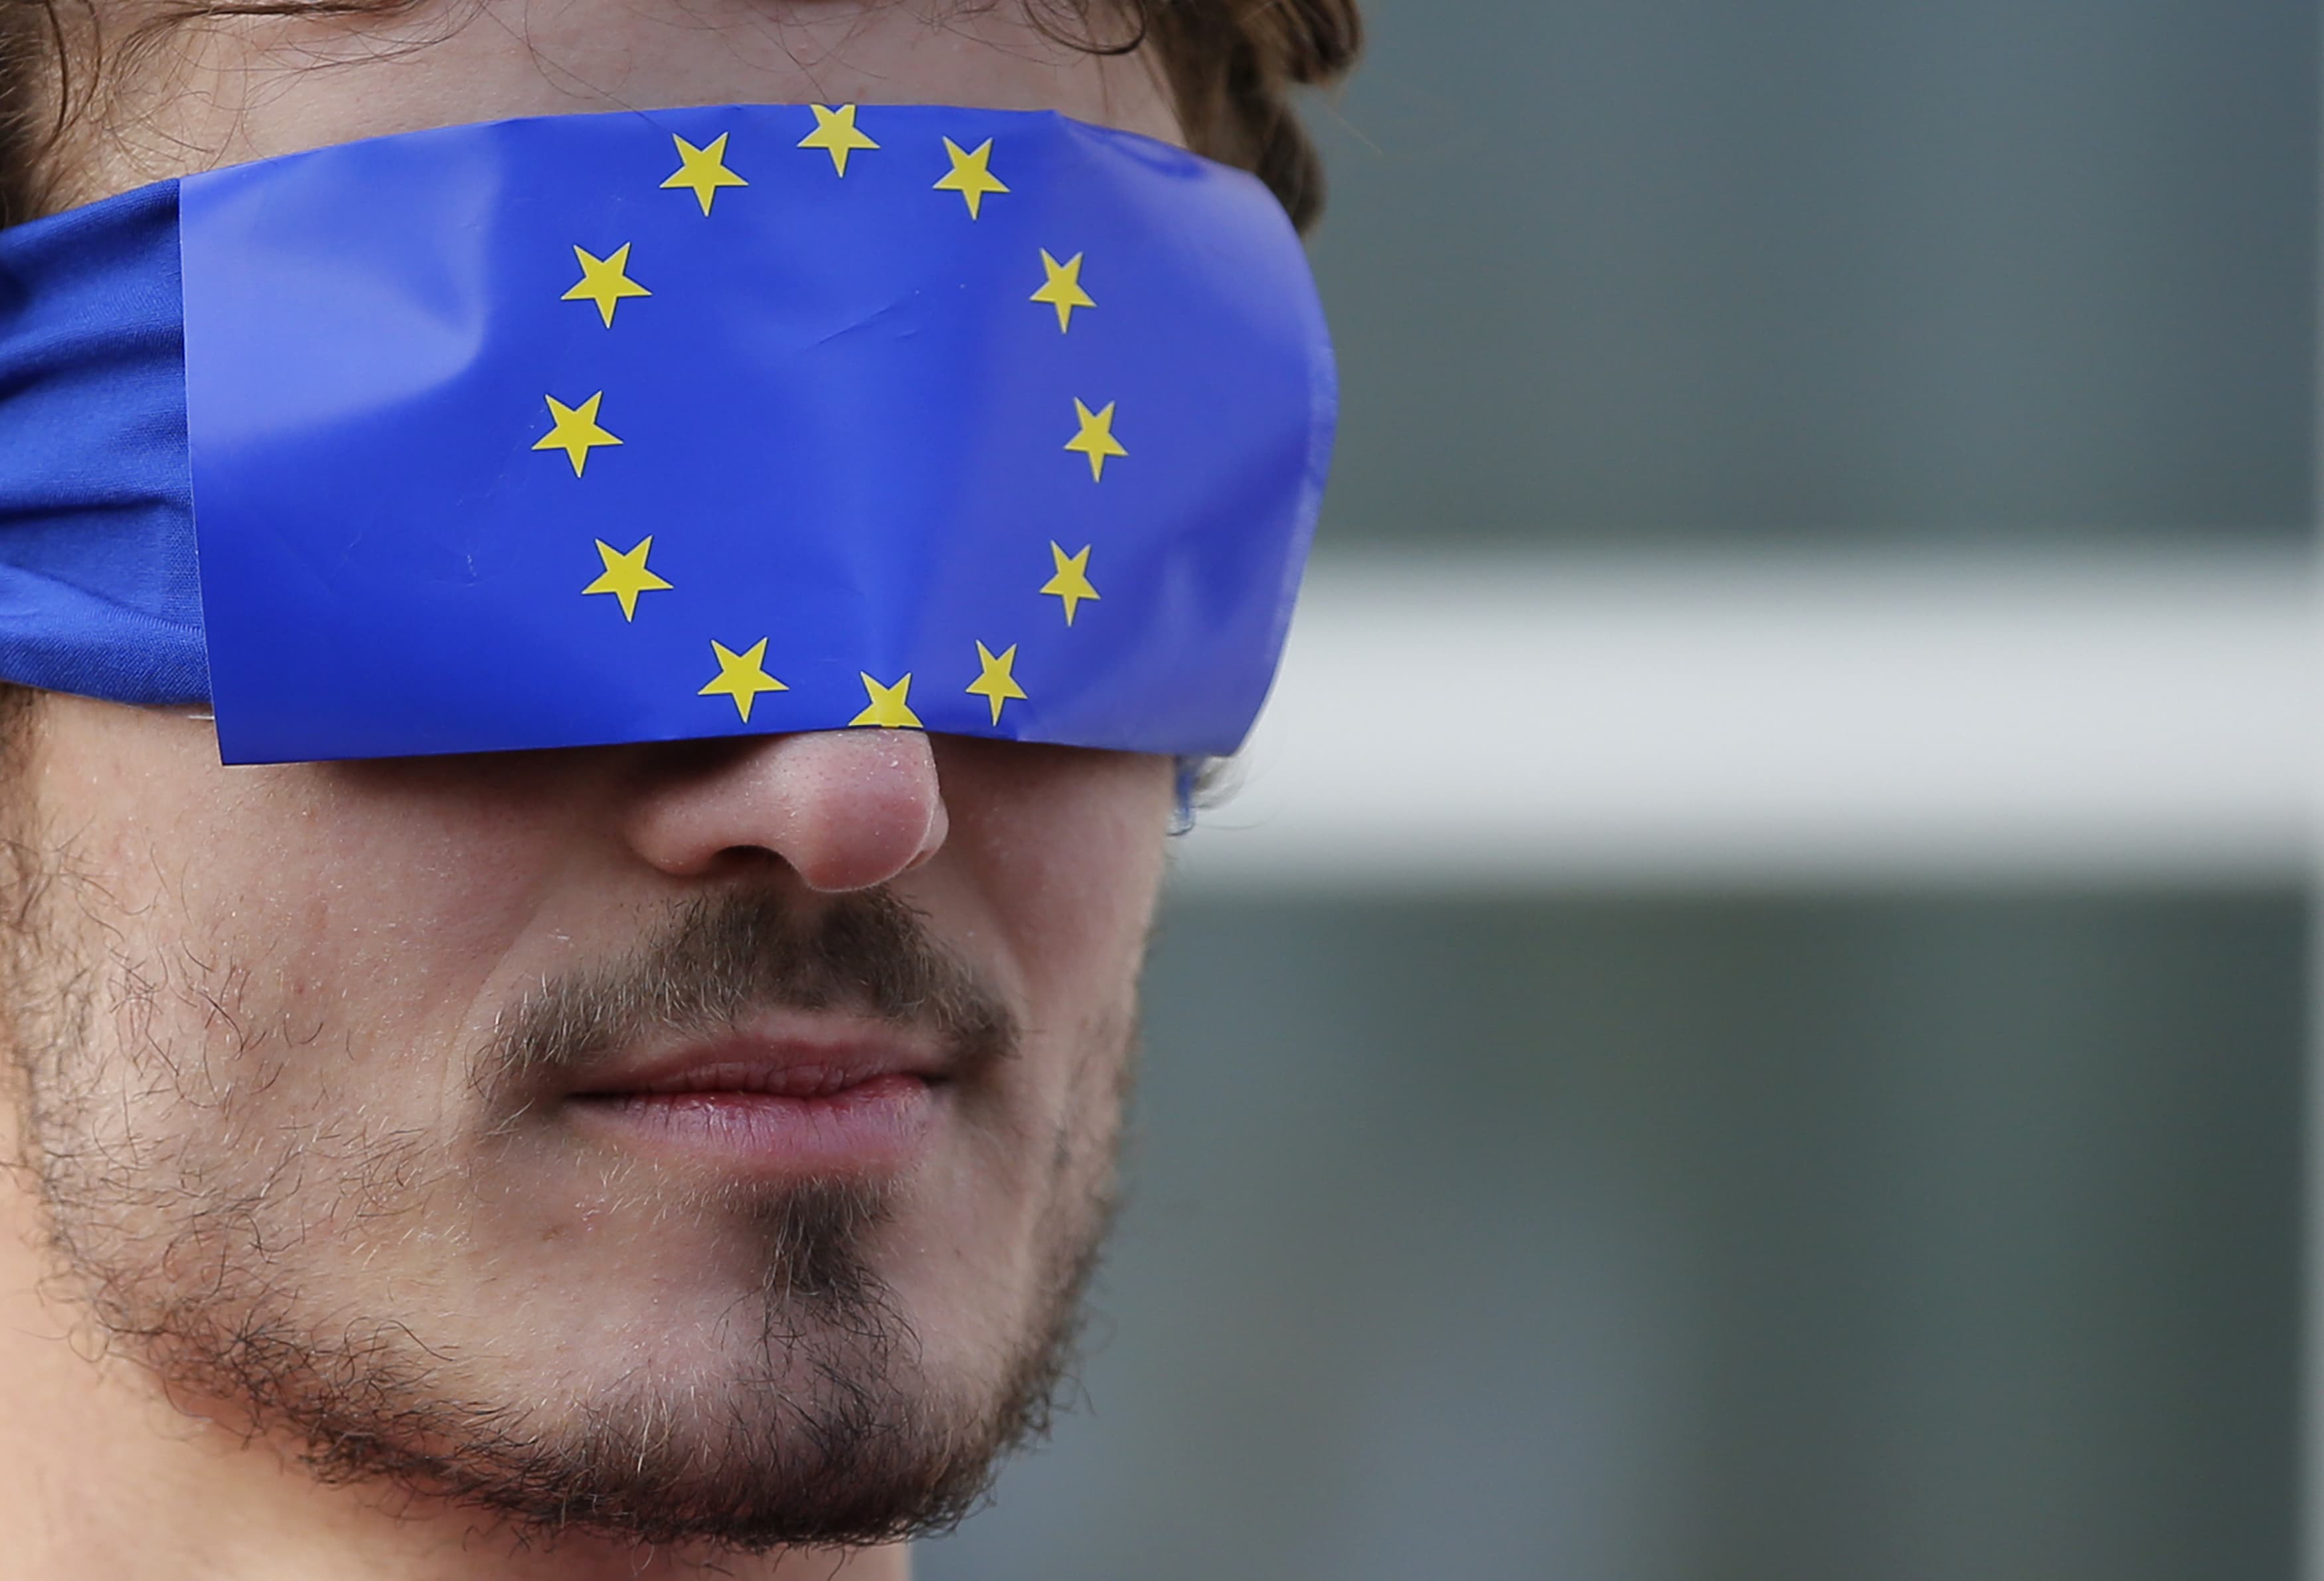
(100, 1475)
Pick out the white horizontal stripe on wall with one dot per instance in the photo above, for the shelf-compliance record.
(1468, 720)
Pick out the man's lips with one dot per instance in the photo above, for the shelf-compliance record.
(858, 1102)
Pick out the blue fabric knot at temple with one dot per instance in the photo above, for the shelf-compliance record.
(642, 427)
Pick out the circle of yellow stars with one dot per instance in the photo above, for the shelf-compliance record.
(576, 431)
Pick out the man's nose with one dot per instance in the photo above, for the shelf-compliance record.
(846, 808)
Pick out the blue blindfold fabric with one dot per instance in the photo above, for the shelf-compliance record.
(643, 427)
(98, 592)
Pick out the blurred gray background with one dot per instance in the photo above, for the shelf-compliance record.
(1938, 1235)
(1825, 268)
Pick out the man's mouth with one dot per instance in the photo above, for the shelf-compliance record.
(853, 1099)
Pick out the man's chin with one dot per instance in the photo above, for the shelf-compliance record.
(843, 1464)
(791, 1409)
(815, 1430)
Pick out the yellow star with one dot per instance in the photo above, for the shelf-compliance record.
(703, 171)
(604, 282)
(1063, 290)
(970, 177)
(742, 676)
(1071, 581)
(998, 684)
(835, 132)
(576, 431)
(1096, 438)
(626, 576)
(890, 706)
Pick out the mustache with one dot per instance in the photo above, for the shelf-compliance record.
(725, 957)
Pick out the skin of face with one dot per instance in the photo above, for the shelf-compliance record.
(252, 1008)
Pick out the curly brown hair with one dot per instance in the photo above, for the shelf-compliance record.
(1231, 64)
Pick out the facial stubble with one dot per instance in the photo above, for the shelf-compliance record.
(186, 1249)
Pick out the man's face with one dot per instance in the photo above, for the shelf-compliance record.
(699, 1142)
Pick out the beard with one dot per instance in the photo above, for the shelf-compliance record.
(187, 1220)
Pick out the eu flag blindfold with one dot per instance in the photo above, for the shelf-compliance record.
(622, 428)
